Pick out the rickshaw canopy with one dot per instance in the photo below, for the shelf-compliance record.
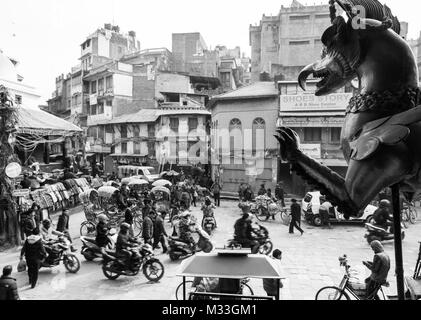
(162, 189)
(230, 266)
(170, 173)
(87, 195)
(107, 191)
(162, 182)
(126, 180)
(138, 182)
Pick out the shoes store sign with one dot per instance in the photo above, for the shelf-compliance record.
(337, 101)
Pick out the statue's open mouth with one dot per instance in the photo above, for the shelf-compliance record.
(324, 75)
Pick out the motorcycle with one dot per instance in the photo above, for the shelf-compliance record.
(265, 244)
(90, 249)
(378, 233)
(209, 224)
(59, 250)
(142, 258)
(179, 249)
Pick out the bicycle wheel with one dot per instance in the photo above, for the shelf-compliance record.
(137, 227)
(87, 228)
(285, 217)
(332, 293)
(259, 215)
(179, 290)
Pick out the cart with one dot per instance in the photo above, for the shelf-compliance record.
(229, 266)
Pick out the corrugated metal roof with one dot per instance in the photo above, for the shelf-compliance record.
(183, 111)
(143, 116)
(257, 89)
(40, 122)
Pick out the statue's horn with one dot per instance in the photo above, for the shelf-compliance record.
(365, 22)
(304, 74)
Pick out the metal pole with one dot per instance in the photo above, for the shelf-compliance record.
(184, 288)
(398, 242)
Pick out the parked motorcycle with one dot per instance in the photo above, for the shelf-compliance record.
(265, 244)
(59, 250)
(378, 233)
(179, 249)
(209, 224)
(90, 249)
(142, 258)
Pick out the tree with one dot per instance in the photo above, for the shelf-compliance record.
(9, 223)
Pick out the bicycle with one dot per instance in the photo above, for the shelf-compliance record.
(345, 288)
(245, 289)
(409, 214)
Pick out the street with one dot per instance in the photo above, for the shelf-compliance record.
(309, 263)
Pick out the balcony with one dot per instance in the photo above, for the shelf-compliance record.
(100, 118)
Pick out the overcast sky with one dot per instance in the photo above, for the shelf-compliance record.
(44, 35)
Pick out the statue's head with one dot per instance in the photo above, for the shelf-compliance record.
(343, 42)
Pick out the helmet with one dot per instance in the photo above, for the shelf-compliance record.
(46, 223)
(384, 203)
(102, 218)
(124, 226)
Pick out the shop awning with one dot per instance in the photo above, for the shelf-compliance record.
(36, 121)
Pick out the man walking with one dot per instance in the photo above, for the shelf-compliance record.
(295, 217)
(159, 232)
(34, 253)
(272, 286)
(148, 228)
(280, 193)
(216, 189)
(8, 287)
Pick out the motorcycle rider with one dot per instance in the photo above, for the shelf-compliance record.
(48, 233)
(382, 216)
(244, 233)
(379, 268)
(102, 229)
(184, 228)
(207, 209)
(124, 243)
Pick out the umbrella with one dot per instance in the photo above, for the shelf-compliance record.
(126, 180)
(170, 173)
(162, 182)
(160, 188)
(112, 184)
(138, 182)
(106, 191)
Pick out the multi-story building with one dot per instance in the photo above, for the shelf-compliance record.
(284, 43)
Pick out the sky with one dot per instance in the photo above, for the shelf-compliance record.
(45, 35)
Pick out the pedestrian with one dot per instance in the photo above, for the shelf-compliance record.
(216, 189)
(271, 286)
(159, 232)
(241, 190)
(34, 253)
(295, 217)
(379, 269)
(148, 228)
(262, 190)
(128, 218)
(29, 223)
(280, 193)
(248, 194)
(324, 209)
(8, 286)
(63, 227)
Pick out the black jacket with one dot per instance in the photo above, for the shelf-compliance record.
(159, 229)
(296, 211)
(8, 288)
(63, 223)
(124, 241)
(101, 238)
(33, 249)
(148, 228)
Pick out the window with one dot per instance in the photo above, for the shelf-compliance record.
(93, 87)
(101, 133)
(225, 79)
(235, 124)
(18, 99)
(136, 147)
(174, 123)
(151, 149)
(100, 84)
(335, 135)
(109, 82)
(299, 43)
(323, 16)
(235, 128)
(124, 147)
(313, 134)
(85, 87)
(193, 124)
(123, 131)
(136, 131)
(100, 109)
(259, 134)
(301, 17)
(151, 130)
(93, 110)
(109, 103)
(109, 129)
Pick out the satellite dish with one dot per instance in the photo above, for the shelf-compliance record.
(13, 170)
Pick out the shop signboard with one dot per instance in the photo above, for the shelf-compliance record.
(309, 102)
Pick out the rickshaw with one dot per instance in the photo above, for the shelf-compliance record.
(229, 272)
(106, 198)
(161, 196)
(138, 186)
(91, 208)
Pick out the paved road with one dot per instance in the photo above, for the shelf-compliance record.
(309, 263)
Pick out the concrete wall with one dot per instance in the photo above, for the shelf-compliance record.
(169, 82)
(103, 46)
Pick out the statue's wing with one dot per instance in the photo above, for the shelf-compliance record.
(387, 131)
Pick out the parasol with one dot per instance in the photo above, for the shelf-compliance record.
(162, 182)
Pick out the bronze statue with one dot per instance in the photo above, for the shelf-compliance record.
(381, 137)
